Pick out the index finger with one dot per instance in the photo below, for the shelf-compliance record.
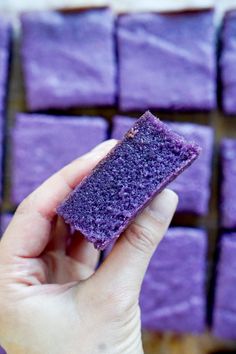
(29, 231)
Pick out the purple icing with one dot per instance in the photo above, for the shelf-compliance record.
(227, 63)
(2, 351)
(193, 186)
(5, 221)
(165, 68)
(224, 323)
(173, 291)
(44, 144)
(149, 157)
(228, 192)
(71, 57)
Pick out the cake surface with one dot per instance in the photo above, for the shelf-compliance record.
(149, 157)
(227, 62)
(70, 56)
(224, 322)
(43, 144)
(176, 69)
(193, 186)
(228, 193)
(173, 292)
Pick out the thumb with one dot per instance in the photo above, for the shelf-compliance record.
(127, 263)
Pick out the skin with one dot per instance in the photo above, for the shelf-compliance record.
(52, 300)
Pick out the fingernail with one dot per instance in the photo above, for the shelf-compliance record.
(107, 143)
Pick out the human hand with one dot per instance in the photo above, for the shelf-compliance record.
(52, 301)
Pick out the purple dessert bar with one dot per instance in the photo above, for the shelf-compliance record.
(5, 221)
(224, 317)
(43, 144)
(164, 68)
(193, 186)
(227, 63)
(148, 158)
(228, 192)
(2, 351)
(5, 31)
(173, 291)
(68, 59)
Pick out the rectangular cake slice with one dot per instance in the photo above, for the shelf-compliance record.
(168, 274)
(193, 186)
(176, 68)
(148, 158)
(228, 192)
(224, 317)
(43, 144)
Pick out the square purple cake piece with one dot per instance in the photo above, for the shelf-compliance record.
(228, 192)
(224, 317)
(148, 158)
(164, 68)
(5, 36)
(43, 144)
(5, 221)
(227, 62)
(68, 59)
(173, 292)
(193, 186)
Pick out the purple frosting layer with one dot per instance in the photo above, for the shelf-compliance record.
(149, 157)
(224, 324)
(228, 192)
(173, 291)
(71, 57)
(165, 68)
(5, 221)
(193, 186)
(227, 62)
(43, 144)
(2, 351)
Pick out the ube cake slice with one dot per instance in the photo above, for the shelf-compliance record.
(224, 316)
(148, 158)
(165, 68)
(228, 192)
(227, 62)
(71, 57)
(43, 144)
(173, 291)
(193, 186)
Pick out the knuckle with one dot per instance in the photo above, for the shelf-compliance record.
(140, 238)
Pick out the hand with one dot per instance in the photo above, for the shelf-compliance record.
(52, 301)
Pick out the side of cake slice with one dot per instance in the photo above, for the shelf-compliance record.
(148, 158)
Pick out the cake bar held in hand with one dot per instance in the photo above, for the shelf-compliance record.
(148, 158)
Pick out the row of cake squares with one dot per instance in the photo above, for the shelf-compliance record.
(42, 144)
(167, 274)
(163, 61)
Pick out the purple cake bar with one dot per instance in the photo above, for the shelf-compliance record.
(224, 322)
(5, 221)
(227, 62)
(193, 186)
(228, 192)
(68, 59)
(5, 30)
(161, 67)
(173, 291)
(43, 144)
(149, 157)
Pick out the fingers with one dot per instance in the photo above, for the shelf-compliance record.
(83, 251)
(29, 232)
(126, 265)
